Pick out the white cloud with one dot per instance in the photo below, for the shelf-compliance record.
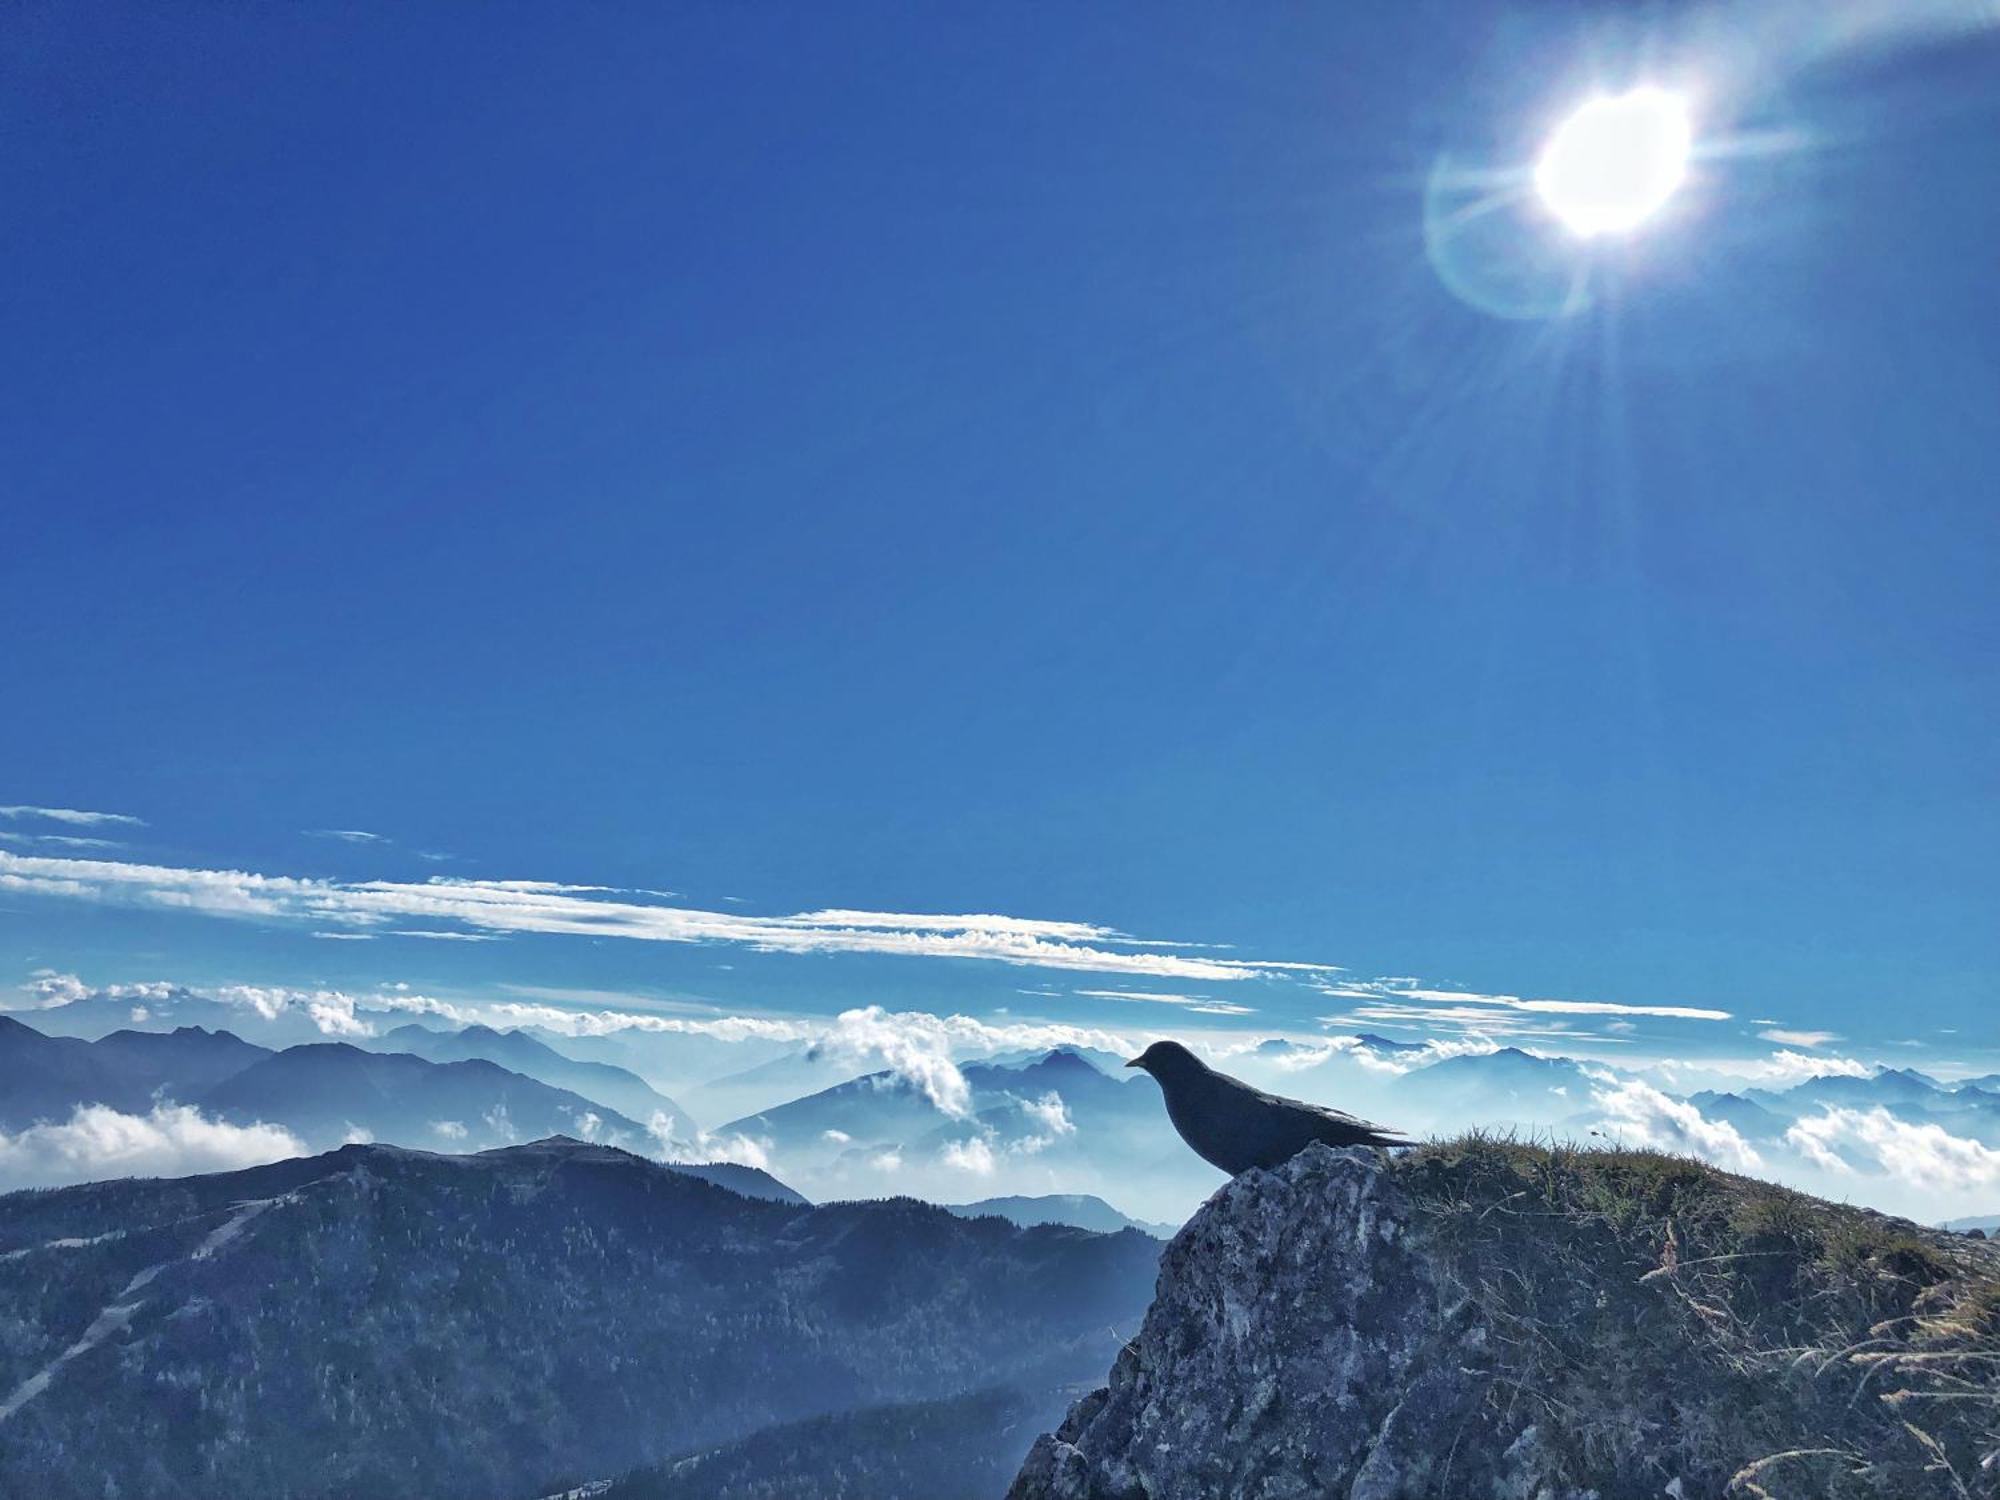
(921, 1047)
(461, 909)
(48, 990)
(1051, 1114)
(334, 1016)
(504, 1013)
(1799, 1038)
(1637, 1114)
(972, 1154)
(588, 1124)
(57, 841)
(1781, 1069)
(1469, 1018)
(1201, 1004)
(740, 1149)
(71, 816)
(1922, 1155)
(1404, 992)
(357, 1135)
(498, 1122)
(835, 1137)
(1019, 926)
(1052, 1122)
(1433, 1050)
(449, 1130)
(913, 1050)
(173, 1140)
(508, 906)
(346, 835)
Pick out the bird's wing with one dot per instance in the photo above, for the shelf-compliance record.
(1364, 1131)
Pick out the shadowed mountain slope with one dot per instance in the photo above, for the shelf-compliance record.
(960, 1448)
(476, 1326)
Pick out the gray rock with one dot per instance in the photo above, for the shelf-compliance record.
(1330, 1328)
(1298, 1346)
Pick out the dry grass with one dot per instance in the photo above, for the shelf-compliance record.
(1658, 1320)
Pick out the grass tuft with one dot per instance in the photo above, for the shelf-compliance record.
(1770, 1344)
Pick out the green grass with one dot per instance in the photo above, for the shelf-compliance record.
(1659, 1319)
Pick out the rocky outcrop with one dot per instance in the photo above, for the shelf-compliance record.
(1492, 1322)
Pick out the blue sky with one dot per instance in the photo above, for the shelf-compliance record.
(992, 461)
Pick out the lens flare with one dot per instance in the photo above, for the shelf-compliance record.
(1615, 162)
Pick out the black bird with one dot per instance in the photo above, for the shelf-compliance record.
(1236, 1127)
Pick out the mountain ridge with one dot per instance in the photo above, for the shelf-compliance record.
(465, 1326)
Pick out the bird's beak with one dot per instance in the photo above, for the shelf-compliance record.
(1133, 1063)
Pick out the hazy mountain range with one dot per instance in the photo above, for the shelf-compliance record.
(1080, 1209)
(322, 1093)
(606, 1083)
(1061, 1124)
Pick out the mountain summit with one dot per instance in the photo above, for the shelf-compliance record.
(1494, 1320)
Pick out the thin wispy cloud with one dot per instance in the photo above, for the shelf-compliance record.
(1799, 1038)
(1401, 992)
(1200, 1004)
(347, 835)
(56, 840)
(1780, 1069)
(1466, 1018)
(443, 904)
(458, 909)
(71, 815)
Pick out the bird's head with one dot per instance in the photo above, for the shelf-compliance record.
(1167, 1060)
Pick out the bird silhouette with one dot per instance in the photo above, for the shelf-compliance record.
(1236, 1127)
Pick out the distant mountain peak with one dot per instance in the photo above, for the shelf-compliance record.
(1380, 1043)
(1063, 1060)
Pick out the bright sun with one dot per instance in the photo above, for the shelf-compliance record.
(1611, 165)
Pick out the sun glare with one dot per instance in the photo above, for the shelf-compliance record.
(1616, 161)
